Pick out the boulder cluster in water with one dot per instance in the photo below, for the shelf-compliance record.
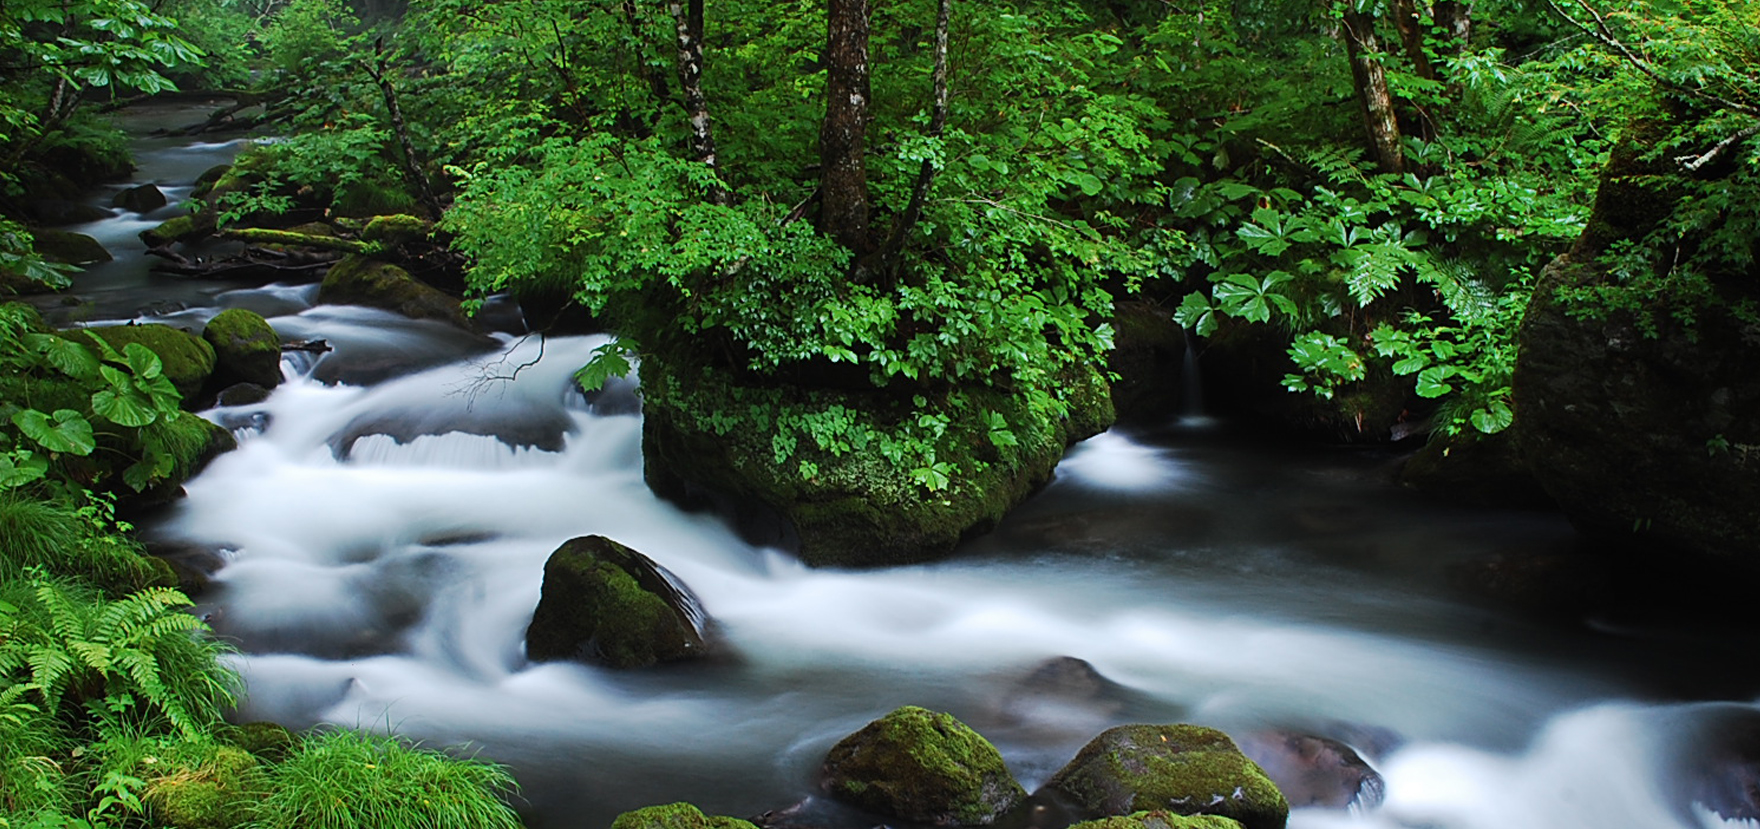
(609, 605)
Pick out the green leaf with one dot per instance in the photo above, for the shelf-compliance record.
(65, 431)
(143, 362)
(20, 467)
(123, 408)
(1494, 418)
(1432, 382)
(1195, 313)
(64, 355)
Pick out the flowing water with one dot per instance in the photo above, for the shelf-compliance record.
(384, 536)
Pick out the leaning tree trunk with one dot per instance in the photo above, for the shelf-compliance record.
(843, 136)
(1373, 98)
(690, 79)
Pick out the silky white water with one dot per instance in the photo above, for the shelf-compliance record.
(386, 582)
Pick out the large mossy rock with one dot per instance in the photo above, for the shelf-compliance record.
(219, 792)
(246, 348)
(1645, 430)
(924, 767)
(69, 248)
(1159, 819)
(676, 816)
(360, 280)
(188, 360)
(605, 603)
(709, 441)
(188, 228)
(1185, 769)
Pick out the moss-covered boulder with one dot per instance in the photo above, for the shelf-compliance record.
(605, 603)
(188, 359)
(360, 280)
(266, 740)
(220, 792)
(397, 229)
(246, 348)
(1640, 412)
(922, 766)
(69, 248)
(190, 228)
(809, 469)
(1159, 819)
(676, 816)
(1185, 769)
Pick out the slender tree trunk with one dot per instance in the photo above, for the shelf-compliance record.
(1456, 20)
(656, 81)
(937, 124)
(689, 22)
(1373, 98)
(412, 165)
(1409, 20)
(843, 136)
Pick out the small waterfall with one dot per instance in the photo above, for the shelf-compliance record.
(1192, 385)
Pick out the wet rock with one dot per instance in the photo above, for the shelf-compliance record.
(188, 360)
(241, 394)
(1160, 819)
(605, 603)
(65, 212)
(1186, 769)
(922, 766)
(193, 227)
(1148, 356)
(358, 280)
(1061, 697)
(676, 816)
(1315, 771)
(1484, 470)
(246, 348)
(396, 230)
(69, 248)
(142, 199)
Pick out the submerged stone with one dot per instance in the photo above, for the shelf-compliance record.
(922, 766)
(1185, 769)
(605, 603)
(1315, 771)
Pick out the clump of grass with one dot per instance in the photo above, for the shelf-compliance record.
(338, 779)
(33, 748)
(73, 542)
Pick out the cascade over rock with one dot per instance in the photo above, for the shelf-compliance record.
(1186, 769)
(1648, 440)
(605, 603)
(922, 766)
(702, 445)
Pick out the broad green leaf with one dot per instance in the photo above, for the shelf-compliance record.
(64, 355)
(1494, 418)
(21, 467)
(64, 431)
(143, 362)
(1433, 381)
(124, 408)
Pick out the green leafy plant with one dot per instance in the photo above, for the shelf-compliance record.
(339, 779)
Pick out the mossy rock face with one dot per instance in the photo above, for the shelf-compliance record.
(246, 348)
(922, 766)
(676, 816)
(709, 441)
(1161, 819)
(190, 228)
(69, 248)
(188, 359)
(1184, 769)
(1646, 433)
(359, 280)
(219, 793)
(605, 603)
(396, 229)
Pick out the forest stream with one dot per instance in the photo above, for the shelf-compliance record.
(385, 520)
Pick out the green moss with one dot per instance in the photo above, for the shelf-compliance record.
(923, 766)
(246, 348)
(69, 248)
(676, 816)
(267, 740)
(188, 360)
(180, 229)
(397, 229)
(359, 280)
(1159, 820)
(1187, 769)
(219, 792)
(608, 603)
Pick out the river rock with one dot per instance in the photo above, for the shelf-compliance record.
(65, 212)
(69, 248)
(360, 280)
(855, 508)
(189, 228)
(676, 816)
(605, 603)
(142, 199)
(1185, 769)
(1315, 771)
(1646, 432)
(188, 359)
(246, 348)
(1159, 819)
(922, 766)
